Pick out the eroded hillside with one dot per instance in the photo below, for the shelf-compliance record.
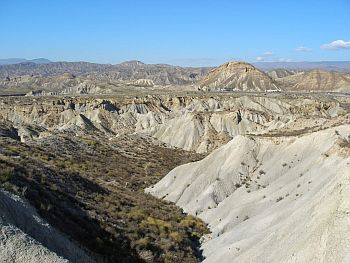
(84, 162)
(198, 122)
(280, 195)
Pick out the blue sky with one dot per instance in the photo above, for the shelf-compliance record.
(190, 33)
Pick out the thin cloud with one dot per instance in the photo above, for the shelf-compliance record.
(303, 49)
(265, 56)
(270, 57)
(337, 44)
(268, 53)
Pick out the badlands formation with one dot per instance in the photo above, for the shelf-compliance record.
(276, 194)
(263, 173)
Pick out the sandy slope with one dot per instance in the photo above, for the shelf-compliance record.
(26, 238)
(272, 199)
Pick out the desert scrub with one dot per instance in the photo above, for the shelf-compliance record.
(157, 225)
(136, 214)
(109, 213)
(6, 171)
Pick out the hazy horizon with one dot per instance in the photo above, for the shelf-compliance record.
(173, 64)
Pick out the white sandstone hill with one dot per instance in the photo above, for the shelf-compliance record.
(270, 198)
(237, 76)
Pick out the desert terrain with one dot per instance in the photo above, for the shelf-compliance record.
(155, 163)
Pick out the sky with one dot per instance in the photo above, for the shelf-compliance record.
(186, 33)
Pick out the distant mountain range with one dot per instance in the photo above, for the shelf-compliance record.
(343, 66)
(10, 61)
(56, 77)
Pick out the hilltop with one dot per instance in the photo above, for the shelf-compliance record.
(237, 76)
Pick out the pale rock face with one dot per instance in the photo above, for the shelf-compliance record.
(144, 83)
(270, 199)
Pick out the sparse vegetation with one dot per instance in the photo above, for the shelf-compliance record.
(6, 171)
(100, 193)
